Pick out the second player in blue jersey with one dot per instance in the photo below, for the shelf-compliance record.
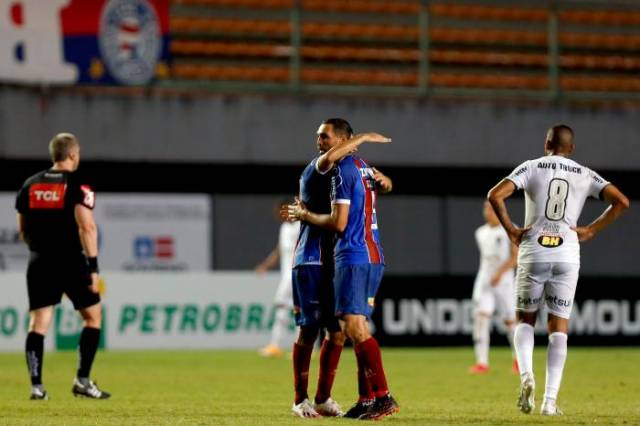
(359, 268)
(312, 273)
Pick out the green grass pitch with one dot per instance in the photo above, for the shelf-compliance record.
(600, 386)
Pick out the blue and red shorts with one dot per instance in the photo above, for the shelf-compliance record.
(356, 287)
(313, 297)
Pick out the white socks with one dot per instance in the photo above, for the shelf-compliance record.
(510, 330)
(481, 338)
(556, 356)
(280, 324)
(523, 340)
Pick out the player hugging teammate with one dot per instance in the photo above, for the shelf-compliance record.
(342, 207)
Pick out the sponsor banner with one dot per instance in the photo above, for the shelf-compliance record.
(217, 310)
(235, 310)
(81, 41)
(438, 311)
(158, 310)
(14, 313)
(137, 232)
(14, 253)
(142, 232)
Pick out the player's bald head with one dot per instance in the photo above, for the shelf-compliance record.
(560, 139)
(61, 145)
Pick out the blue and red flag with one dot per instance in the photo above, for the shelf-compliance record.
(84, 41)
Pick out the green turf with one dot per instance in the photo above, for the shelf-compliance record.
(239, 388)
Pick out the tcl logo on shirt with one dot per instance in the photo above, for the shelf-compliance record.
(47, 195)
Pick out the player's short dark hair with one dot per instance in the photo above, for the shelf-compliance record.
(340, 126)
(561, 135)
(61, 145)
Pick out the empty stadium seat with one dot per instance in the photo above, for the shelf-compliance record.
(353, 42)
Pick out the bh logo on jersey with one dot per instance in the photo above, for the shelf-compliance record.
(130, 40)
(147, 247)
(550, 241)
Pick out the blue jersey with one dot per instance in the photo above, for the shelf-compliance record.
(353, 184)
(315, 245)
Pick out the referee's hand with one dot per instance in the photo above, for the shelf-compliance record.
(94, 283)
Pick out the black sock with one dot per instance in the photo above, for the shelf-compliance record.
(89, 340)
(34, 350)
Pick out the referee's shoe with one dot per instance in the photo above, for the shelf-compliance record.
(38, 393)
(86, 387)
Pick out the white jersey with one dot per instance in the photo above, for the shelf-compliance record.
(495, 249)
(287, 239)
(555, 190)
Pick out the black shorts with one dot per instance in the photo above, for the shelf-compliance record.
(48, 276)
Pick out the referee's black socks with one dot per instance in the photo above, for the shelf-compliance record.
(89, 340)
(34, 349)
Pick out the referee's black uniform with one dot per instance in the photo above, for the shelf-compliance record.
(57, 264)
(46, 204)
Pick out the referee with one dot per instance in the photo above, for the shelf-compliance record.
(55, 218)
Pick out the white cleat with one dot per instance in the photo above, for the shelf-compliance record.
(329, 408)
(526, 401)
(549, 408)
(305, 410)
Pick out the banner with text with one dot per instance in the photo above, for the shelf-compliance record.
(438, 311)
(152, 311)
(235, 310)
(14, 253)
(160, 232)
(163, 232)
(80, 41)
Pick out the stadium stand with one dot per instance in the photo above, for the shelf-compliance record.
(579, 47)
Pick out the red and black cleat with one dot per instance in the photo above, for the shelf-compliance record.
(381, 408)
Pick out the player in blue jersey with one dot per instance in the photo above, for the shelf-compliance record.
(313, 268)
(359, 264)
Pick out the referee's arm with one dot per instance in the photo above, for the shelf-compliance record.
(88, 230)
(88, 237)
(22, 228)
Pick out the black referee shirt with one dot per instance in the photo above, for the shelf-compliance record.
(47, 201)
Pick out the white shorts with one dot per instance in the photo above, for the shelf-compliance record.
(284, 293)
(487, 299)
(551, 282)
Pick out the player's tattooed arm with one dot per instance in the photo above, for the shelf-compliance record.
(618, 203)
(336, 221)
(349, 146)
(503, 190)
